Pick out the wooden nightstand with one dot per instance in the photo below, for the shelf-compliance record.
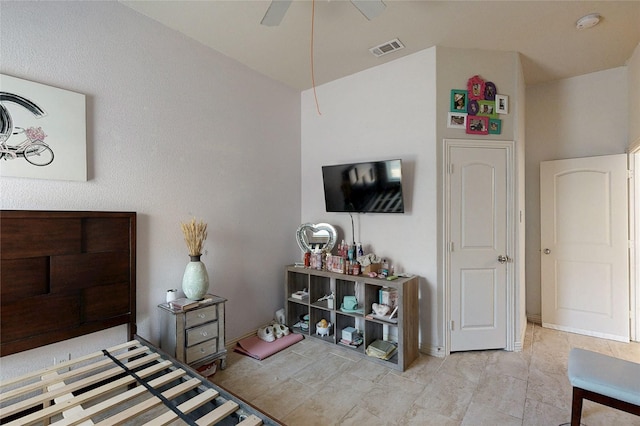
(195, 336)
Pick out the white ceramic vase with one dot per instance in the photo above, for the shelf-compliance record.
(195, 281)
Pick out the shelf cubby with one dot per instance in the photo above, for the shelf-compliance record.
(316, 316)
(296, 282)
(318, 287)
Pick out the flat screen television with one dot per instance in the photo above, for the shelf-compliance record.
(367, 187)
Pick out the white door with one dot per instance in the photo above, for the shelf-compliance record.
(584, 246)
(478, 188)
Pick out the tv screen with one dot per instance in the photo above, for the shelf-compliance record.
(368, 187)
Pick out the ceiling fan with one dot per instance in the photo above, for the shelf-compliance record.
(277, 9)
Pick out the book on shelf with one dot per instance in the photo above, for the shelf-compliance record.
(349, 343)
(382, 318)
(183, 303)
(381, 349)
(300, 295)
(392, 318)
(388, 296)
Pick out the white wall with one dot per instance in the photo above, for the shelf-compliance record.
(633, 80)
(576, 117)
(454, 68)
(174, 130)
(382, 113)
(521, 272)
(398, 110)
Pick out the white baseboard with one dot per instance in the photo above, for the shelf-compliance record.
(517, 347)
(591, 333)
(435, 351)
(432, 351)
(230, 344)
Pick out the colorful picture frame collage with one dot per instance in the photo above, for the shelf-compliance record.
(477, 108)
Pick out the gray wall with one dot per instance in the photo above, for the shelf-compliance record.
(633, 79)
(174, 130)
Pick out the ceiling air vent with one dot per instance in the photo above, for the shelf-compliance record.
(388, 47)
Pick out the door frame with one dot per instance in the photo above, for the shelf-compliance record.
(511, 301)
(634, 237)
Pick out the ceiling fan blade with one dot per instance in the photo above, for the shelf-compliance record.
(275, 13)
(369, 8)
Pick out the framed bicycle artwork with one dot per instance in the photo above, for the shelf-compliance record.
(42, 131)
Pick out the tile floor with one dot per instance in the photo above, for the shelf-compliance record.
(311, 383)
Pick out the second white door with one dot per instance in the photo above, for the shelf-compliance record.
(585, 260)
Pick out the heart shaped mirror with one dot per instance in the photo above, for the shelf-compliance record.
(322, 235)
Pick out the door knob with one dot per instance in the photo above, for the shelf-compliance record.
(547, 251)
(502, 258)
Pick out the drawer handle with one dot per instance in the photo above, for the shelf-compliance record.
(204, 334)
(202, 350)
(202, 315)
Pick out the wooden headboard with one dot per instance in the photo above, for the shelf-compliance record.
(64, 274)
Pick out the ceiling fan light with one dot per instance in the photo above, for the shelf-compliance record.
(369, 8)
(588, 21)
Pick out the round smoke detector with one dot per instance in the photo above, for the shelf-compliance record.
(588, 21)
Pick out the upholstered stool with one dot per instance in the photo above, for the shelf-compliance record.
(603, 379)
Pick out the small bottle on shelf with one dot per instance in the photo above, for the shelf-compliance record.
(385, 268)
(318, 257)
(356, 268)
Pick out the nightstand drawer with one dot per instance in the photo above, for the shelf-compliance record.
(203, 333)
(202, 350)
(201, 316)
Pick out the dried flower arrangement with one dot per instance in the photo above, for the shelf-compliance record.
(194, 235)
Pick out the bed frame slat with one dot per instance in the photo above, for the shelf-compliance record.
(150, 403)
(41, 415)
(80, 384)
(102, 392)
(252, 420)
(187, 407)
(127, 396)
(74, 411)
(53, 377)
(66, 364)
(218, 414)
